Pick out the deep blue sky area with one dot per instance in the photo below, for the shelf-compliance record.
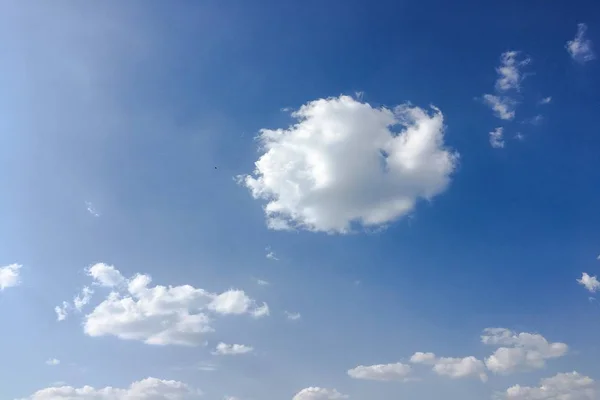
(132, 135)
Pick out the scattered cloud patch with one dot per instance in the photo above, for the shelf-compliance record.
(563, 386)
(81, 300)
(262, 282)
(224, 349)
(91, 209)
(519, 136)
(546, 100)
(520, 351)
(497, 138)
(161, 315)
(292, 316)
(146, 389)
(509, 73)
(317, 393)
(581, 48)
(10, 276)
(271, 254)
(503, 107)
(62, 311)
(589, 282)
(52, 362)
(451, 367)
(344, 163)
(381, 372)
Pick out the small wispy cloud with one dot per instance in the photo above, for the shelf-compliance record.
(509, 73)
(271, 254)
(519, 136)
(497, 138)
(10, 276)
(91, 209)
(581, 48)
(546, 100)
(292, 316)
(224, 349)
(503, 107)
(262, 282)
(52, 362)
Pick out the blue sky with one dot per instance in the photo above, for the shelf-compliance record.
(399, 232)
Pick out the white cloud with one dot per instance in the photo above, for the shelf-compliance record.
(162, 315)
(381, 372)
(546, 100)
(52, 362)
(564, 386)
(581, 48)
(589, 282)
(91, 209)
(503, 107)
(10, 276)
(146, 389)
(224, 349)
(317, 393)
(271, 254)
(292, 316)
(62, 311)
(497, 138)
(83, 299)
(342, 163)
(522, 351)
(509, 74)
(106, 275)
(262, 282)
(452, 367)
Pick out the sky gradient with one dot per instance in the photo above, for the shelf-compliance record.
(309, 201)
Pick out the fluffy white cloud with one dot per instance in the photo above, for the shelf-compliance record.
(452, 367)
(381, 372)
(224, 349)
(589, 282)
(581, 48)
(509, 74)
(62, 311)
(10, 276)
(522, 351)
(344, 162)
(52, 362)
(497, 138)
(565, 386)
(317, 393)
(106, 275)
(503, 107)
(161, 315)
(146, 389)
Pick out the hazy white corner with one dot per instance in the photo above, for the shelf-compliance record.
(591, 283)
(10, 276)
(146, 389)
(502, 106)
(345, 162)
(509, 73)
(317, 393)
(381, 372)
(497, 138)
(466, 367)
(564, 386)
(581, 48)
(161, 315)
(224, 349)
(52, 361)
(519, 352)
